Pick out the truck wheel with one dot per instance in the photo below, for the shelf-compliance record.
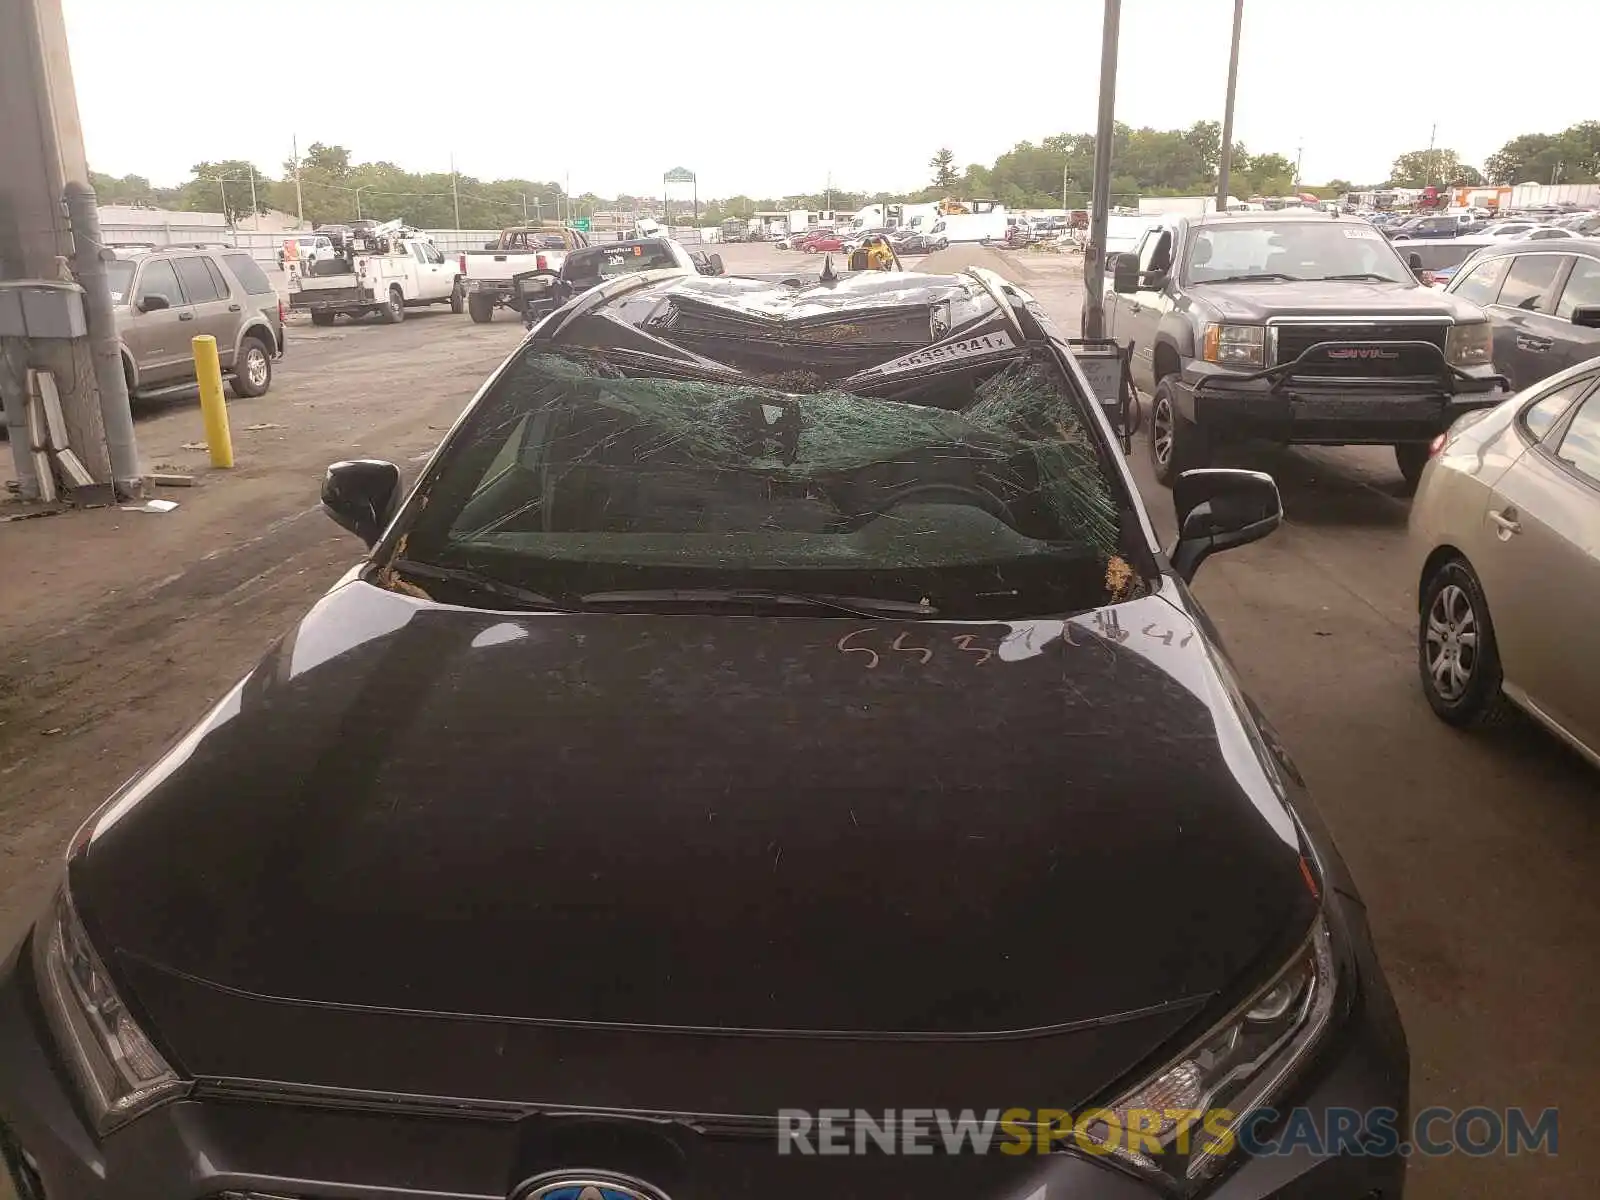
(481, 308)
(252, 374)
(458, 297)
(1411, 457)
(322, 319)
(395, 311)
(1176, 443)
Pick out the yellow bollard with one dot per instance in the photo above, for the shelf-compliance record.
(208, 370)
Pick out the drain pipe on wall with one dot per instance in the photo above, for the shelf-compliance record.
(89, 264)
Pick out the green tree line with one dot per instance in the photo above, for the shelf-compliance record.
(1057, 172)
(335, 188)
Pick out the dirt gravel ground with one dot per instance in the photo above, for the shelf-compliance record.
(1474, 853)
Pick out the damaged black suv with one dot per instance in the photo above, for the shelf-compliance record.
(1294, 329)
(771, 701)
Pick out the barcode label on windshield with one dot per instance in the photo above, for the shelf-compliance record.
(1364, 234)
(973, 347)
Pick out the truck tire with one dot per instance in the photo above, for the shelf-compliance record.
(323, 319)
(1177, 444)
(458, 297)
(481, 308)
(395, 311)
(252, 374)
(1411, 457)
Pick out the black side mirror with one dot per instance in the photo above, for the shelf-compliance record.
(361, 495)
(1125, 278)
(1587, 315)
(1220, 510)
(154, 302)
(716, 264)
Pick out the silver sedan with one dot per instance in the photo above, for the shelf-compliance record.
(1505, 531)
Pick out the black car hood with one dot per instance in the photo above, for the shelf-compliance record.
(703, 823)
(1256, 302)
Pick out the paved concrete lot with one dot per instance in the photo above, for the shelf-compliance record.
(1475, 853)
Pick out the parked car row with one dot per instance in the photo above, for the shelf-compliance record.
(1305, 331)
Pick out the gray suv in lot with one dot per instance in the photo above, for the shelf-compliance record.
(164, 298)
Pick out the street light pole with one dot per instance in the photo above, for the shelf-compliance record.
(1094, 254)
(255, 209)
(299, 196)
(1226, 156)
(455, 192)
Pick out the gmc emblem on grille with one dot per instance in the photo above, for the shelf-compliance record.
(1364, 352)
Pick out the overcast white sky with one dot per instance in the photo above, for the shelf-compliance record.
(620, 91)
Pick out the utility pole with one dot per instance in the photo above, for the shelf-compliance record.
(1299, 151)
(1226, 156)
(524, 208)
(44, 178)
(455, 192)
(1432, 136)
(1064, 167)
(255, 209)
(299, 196)
(1094, 254)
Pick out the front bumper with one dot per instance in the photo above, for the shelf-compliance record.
(1316, 410)
(199, 1147)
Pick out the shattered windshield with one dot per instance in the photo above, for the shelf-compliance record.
(586, 484)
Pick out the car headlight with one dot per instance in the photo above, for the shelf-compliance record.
(120, 1075)
(1184, 1120)
(1470, 345)
(1234, 345)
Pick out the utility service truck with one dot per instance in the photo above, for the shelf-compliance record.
(384, 270)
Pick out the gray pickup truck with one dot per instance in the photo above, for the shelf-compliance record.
(1295, 329)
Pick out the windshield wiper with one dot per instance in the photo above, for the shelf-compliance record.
(859, 606)
(1359, 275)
(476, 581)
(1254, 278)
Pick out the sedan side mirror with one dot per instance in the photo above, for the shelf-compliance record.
(153, 302)
(1125, 277)
(716, 264)
(1219, 510)
(1587, 315)
(361, 495)
(1414, 261)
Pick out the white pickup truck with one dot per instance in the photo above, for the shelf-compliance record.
(386, 271)
(489, 273)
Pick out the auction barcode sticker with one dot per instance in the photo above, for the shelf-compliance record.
(973, 347)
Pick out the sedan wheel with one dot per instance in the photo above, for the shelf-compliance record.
(1457, 658)
(1451, 642)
